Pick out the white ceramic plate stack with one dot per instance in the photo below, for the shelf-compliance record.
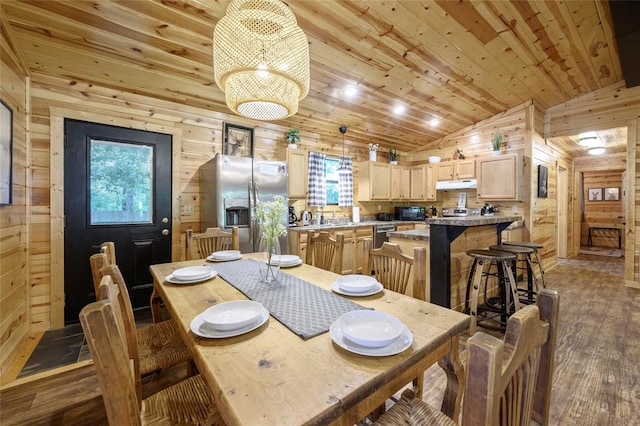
(225, 256)
(191, 274)
(356, 285)
(229, 319)
(285, 260)
(370, 333)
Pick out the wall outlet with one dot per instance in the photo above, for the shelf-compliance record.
(379, 207)
(514, 209)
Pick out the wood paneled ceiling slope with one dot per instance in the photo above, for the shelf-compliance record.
(457, 61)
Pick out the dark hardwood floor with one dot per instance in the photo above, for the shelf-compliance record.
(596, 379)
(597, 371)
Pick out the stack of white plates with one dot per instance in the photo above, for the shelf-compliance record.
(191, 274)
(286, 260)
(229, 319)
(356, 285)
(371, 333)
(225, 256)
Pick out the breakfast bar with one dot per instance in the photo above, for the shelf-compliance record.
(443, 231)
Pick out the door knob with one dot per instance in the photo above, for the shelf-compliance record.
(165, 231)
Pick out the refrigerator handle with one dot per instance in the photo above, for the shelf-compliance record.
(256, 226)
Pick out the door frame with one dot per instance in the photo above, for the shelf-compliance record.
(56, 153)
(562, 197)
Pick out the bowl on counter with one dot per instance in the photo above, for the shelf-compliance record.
(434, 159)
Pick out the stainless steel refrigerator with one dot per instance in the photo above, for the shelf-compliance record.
(230, 189)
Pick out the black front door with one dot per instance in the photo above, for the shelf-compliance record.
(117, 187)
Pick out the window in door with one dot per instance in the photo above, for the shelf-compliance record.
(121, 182)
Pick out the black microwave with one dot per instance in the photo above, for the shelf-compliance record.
(410, 213)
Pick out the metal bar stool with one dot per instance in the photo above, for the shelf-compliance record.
(523, 254)
(535, 247)
(508, 299)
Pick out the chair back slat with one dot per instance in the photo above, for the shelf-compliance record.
(325, 252)
(199, 246)
(105, 338)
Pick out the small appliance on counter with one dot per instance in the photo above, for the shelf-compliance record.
(488, 209)
(410, 213)
(306, 217)
(386, 217)
(292, 216)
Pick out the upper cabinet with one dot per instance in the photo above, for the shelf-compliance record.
(456, 169)
(423, 183)
(374, 181)
(297, 163)
(400, 177)
(500, 177)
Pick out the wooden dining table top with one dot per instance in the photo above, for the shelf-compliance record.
(271, 376)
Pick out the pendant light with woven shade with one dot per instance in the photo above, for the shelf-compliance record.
(261, 59)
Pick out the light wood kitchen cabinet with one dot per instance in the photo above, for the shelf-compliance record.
(400, 179)
(456, 169)
(374, 181)
(423, 183)
(500, 177)
(297, 180)
(353, 251)
(405, 227)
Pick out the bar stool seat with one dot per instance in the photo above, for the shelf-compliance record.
(523, 254)
(535, 247)
(508, 301)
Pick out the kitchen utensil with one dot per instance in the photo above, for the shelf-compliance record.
(306, 217)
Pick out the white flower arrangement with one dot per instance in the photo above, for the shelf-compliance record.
(373, 147)
(268, 214)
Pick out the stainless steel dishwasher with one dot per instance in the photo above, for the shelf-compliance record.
(380, 234)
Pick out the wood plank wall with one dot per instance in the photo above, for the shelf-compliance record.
(14, 230)
(607, 108)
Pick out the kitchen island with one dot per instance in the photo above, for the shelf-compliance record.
(448, 239)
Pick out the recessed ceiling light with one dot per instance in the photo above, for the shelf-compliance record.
(434, 122)
(475, 138)
(597, 151)
(589, 141)
(399, 109)
(350, 91)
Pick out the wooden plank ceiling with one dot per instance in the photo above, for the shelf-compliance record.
(455, 61)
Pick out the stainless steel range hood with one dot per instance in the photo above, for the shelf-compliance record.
(456, 184)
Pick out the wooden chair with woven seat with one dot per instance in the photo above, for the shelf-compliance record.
(508, 382)
(159, 345)
(392, 268)
(186, 402)
(325, 252)
(199, 246)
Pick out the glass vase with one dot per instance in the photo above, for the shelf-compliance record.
(267, 249)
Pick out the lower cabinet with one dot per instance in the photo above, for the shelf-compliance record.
(353, 252)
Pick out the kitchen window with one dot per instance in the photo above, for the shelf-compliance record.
(331, 172)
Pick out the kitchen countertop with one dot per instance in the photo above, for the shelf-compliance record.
(363, 224)
(416, 234)
(472, 220)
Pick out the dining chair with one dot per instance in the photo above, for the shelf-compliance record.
(392, 268)
(159, 345)
(186, 402)
(325, 252)
(199, 246)
(508, 382)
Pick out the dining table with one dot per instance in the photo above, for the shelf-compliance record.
(273, 376)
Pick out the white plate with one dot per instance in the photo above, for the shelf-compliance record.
(372, 329)
(170, 278)
(289, 265)
(401, 344)
(356, 283)
(213, 258)
(200, 328)
(226, 254)
(232, 315)
(191, 273)
(286, 260)
(336, 288)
